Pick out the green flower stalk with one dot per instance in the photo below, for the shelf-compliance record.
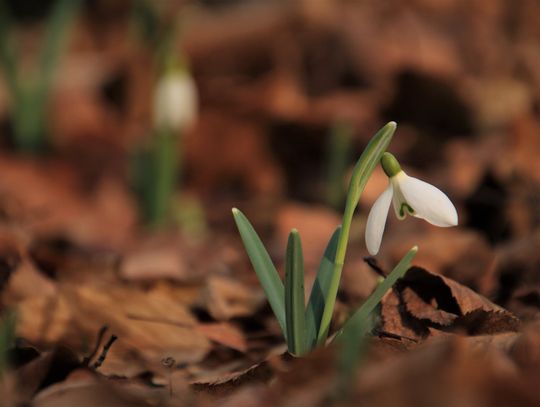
(361, 173)
(7, 338)
(175, 109)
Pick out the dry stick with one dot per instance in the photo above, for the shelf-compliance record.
(392, 335)
(374, 265)
(104, 352)
(169, 362)
(101, 334)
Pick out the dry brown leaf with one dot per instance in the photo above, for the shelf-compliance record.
(48, 368)
(462, 255)
(149, 325)
(53, 202)
(259, 373)
(422, 301)
(482, 322)
(396, 322)
(89, 392)
(27, 282)
(450, 295)
(154, 263)
(422, 310)
(226, 298)
(225, 334)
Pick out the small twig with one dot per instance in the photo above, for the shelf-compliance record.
(104, 352)
(169, 362)
(374, 264)
(391, 335)
(101, 334)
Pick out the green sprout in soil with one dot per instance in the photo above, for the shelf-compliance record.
(307, 327)
(29, 91)
(7, 338)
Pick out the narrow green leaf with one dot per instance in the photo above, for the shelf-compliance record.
(263, 266)
(8, 59)
(62, 16)
(294, 295)
(7, 338)
(360, 317)
(315, 306)
(361, 173)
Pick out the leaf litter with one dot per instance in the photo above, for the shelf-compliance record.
(191, 322)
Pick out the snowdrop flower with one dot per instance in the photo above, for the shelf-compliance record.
(175, 100)
(408, 195)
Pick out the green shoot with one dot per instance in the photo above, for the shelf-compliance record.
(7, 337)
(319, 291)
(294, 295)
(166, 165)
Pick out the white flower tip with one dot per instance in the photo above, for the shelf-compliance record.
(449, 216)
(235, 211)
(454, 221)
(414, 249)
(372, 250)
(392, 124)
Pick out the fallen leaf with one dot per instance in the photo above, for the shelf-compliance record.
(149, 325)
(46, 369)
(152, 264)
(225, 334)
(423, 301)
(226, 298)
(418, 308)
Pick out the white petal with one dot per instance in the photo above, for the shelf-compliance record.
(376, 221)
(428, 202)
(175, 101)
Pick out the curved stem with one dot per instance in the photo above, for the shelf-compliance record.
(361, 173)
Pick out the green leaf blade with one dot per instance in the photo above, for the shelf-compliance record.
(294, 295)
(360, 317)
(264, 268)
(319, 291)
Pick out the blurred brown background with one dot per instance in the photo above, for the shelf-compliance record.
(460, 77)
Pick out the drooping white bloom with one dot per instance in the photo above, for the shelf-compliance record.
(411, 196)
(175, 100)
